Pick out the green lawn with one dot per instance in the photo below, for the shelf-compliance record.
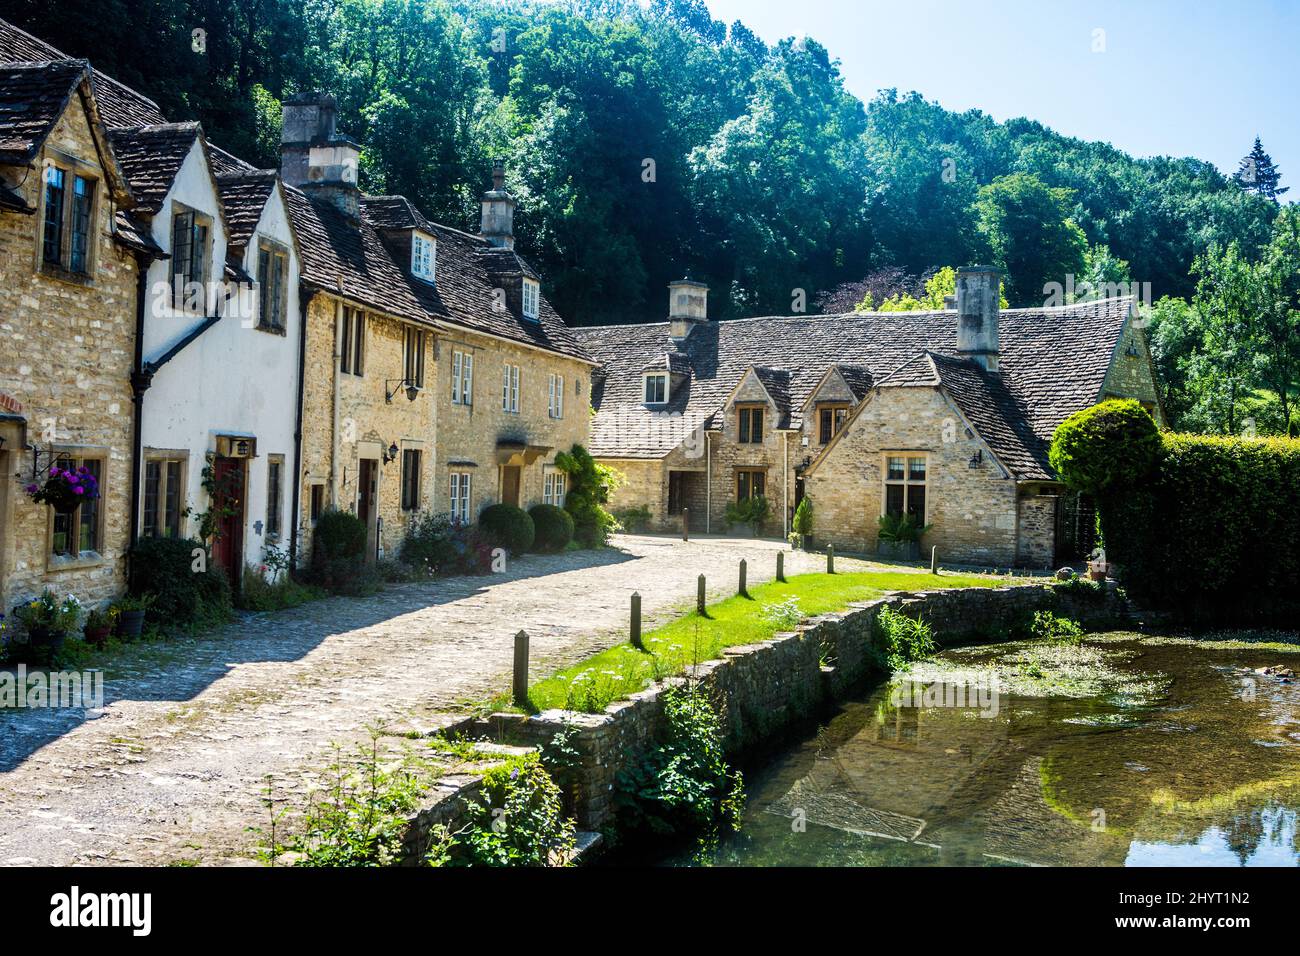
(620, 671)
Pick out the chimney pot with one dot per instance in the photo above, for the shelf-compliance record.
(498, 221)
(314, 157)
(688, 306)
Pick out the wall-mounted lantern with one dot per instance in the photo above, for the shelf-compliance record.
(976, 459)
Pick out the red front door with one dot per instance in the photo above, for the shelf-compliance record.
(228, 505)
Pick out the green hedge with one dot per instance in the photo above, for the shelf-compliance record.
(508, 527)
(164, 567)
(554, 527)
(1211, 529)
(338, 554)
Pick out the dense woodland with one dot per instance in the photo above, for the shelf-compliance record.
(649, 142)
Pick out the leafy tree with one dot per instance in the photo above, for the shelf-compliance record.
(1030, 234)
(1259, 174)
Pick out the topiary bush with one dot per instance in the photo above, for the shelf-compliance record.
(508, 527)
(165, 568)
(1113, 441)
(338, 554)
(1210, 529)
(554, 527)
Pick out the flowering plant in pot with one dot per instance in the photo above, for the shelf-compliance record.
(99, 625)
(47, 621)
(64, 489)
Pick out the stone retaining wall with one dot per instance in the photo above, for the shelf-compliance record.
(762, 689)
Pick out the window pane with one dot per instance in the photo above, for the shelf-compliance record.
(916, 469)
(83, 195)
(172, 503)
(894, 469)
(345, 342)
(273, 469)
(89, 511)
(916, 502)
(152, 487)
(760, 483)
(893, 499)
(52, 248)
(742, 486)
(359, 344)
(825, 425)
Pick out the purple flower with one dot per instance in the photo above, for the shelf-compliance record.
(78, 491)
(32, 489)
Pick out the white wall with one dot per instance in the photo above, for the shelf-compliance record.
(234, 378)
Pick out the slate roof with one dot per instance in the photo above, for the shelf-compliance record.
(1052, 363)
(393, 212)
(151, 156)
(119, 105)
(244, 195)
(857, 378)
(777, 383)
(32, 97)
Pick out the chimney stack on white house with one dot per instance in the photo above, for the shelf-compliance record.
(688, 306)
(979, 290)
(314, 157)
(498, 224)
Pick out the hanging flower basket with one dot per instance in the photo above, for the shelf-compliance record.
(65, 490)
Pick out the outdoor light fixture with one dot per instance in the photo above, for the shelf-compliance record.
(391, 453)
(976, 459)
(412, 390)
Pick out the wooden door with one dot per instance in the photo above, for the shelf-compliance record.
(367, 500)
(228, 504)
(510, 476)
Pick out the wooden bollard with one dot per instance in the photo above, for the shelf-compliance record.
(780, 565)
(743, 566)
(699, 596)
(934, 559)
(521, 668)
(686, 524)
(830, 559)
(636, 622)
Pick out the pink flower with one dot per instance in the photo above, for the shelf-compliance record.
(78, 491)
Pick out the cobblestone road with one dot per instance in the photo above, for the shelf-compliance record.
(174, 766)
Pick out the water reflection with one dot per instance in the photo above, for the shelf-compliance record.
(1204, 770)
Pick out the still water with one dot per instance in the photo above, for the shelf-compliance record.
(1120, 752)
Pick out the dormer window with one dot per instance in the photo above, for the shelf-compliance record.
(656, 388)
(532, 296)
(424, 257)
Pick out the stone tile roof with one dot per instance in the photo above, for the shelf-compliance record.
(119, 105)
(32, 98)
(857, 378)
(134, 234)
(1053, 362)
(777, 383)
(393, 212)
(151, 156)
(244, 195)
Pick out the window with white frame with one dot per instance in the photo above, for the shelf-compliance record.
(905, 485)
(555, 397)
(458, 493)
(424, 256)
(656, 389)
(554, 487)
(532, 297)
(510, 389)
(462, 378)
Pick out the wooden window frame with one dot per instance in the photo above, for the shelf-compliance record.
(829, 413)
(164, 457)
(54, 561)
(71, 173)
(531, 297)
(555, 486)
(645, 388)
(510, 377)
(316, 502)
(199, 258)
(413, 349)
(274, 293)
(745, 435)
(352, 341)
(459, 495)
(750, 473)
(907, 482)
(274, 497)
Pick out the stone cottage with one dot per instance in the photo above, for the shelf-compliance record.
(70, 257)
(437, 376)
(946, 416)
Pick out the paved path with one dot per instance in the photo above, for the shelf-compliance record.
(174, 766)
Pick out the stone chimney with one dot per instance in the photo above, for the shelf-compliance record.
(498, 226)
(688, 306)
(314, 157)
(979, 290)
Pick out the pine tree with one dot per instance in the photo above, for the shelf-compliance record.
(1258, 174)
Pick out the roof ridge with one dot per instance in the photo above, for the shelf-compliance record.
(50, 46)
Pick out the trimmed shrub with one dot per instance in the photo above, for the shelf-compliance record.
(554, 527)
(590, 485)
(437, 546)
(1211, 530)
(164, 567)
(803, 518)
(507, 527)
(1114, 441)
(338, 554)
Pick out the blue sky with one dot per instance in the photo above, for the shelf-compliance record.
(1177, 77)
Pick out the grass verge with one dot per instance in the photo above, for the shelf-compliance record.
(776, 606)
